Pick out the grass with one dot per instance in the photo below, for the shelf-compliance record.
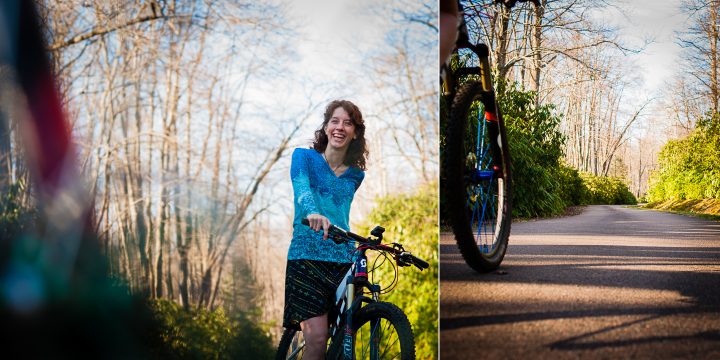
(705, 208)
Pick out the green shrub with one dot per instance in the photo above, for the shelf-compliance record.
(411, 219)
(543, 185)
(535, 143)
(572, 189)
(688, 168)
(202, 334)
(603, 190)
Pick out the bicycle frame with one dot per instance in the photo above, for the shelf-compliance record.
(483, 70)
(349, 299)
(347, 293)
(482, 52)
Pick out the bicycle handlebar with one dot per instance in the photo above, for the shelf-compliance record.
(334, 232)
(404, 258)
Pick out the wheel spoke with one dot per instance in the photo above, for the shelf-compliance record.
(482, 193)
(381, 335)
(388, 345)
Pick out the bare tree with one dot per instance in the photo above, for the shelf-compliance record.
(596, 121)
(160, 103)
(529, 39)
(406, 88)
(701, 41)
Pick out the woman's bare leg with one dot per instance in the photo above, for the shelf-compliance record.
(315, 332)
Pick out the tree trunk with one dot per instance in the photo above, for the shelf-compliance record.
(536, 47)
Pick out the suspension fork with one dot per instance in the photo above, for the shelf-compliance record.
(492, 120)
(492, 116)
(360, 278)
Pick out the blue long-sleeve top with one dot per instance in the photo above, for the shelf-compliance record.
(317, 190)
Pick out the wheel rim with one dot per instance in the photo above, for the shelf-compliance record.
(485, 193)
(377, 339)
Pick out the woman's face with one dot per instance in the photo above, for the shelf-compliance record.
(340, 129)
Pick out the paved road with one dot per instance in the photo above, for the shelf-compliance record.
(609, 283)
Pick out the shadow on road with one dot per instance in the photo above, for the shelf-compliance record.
(610, 279)
(597, 266)
(575, 342)
(602, 265)
(483, 320)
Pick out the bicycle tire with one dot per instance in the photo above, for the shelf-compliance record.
(291, 345)
(394, 317)
(462, 181)
(399, 345)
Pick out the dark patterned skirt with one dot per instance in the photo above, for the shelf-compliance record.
(310, 289)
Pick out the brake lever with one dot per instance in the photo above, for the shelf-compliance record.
(403, 259)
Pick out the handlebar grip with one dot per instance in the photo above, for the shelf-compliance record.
(335, 233)
(420, 263)
(341, 232)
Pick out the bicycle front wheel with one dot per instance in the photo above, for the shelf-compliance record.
(382, 331)
(292, 345)
(477, 179)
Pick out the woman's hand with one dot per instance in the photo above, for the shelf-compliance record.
(318, 222)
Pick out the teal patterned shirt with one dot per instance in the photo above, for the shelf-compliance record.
(319, 191)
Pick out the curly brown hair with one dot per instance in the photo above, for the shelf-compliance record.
(357, 152)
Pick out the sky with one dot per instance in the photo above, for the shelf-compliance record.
(332, 48)
(656, 21)
(332, 42)
(650, 26)
(335, 34)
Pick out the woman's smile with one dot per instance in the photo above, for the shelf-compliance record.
(340, 129)
(339, 137)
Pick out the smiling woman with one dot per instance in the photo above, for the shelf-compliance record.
(324, 180)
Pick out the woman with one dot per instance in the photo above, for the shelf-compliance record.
(324, 180)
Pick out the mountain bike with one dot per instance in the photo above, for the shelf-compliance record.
(363, 327)
(476, 164)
